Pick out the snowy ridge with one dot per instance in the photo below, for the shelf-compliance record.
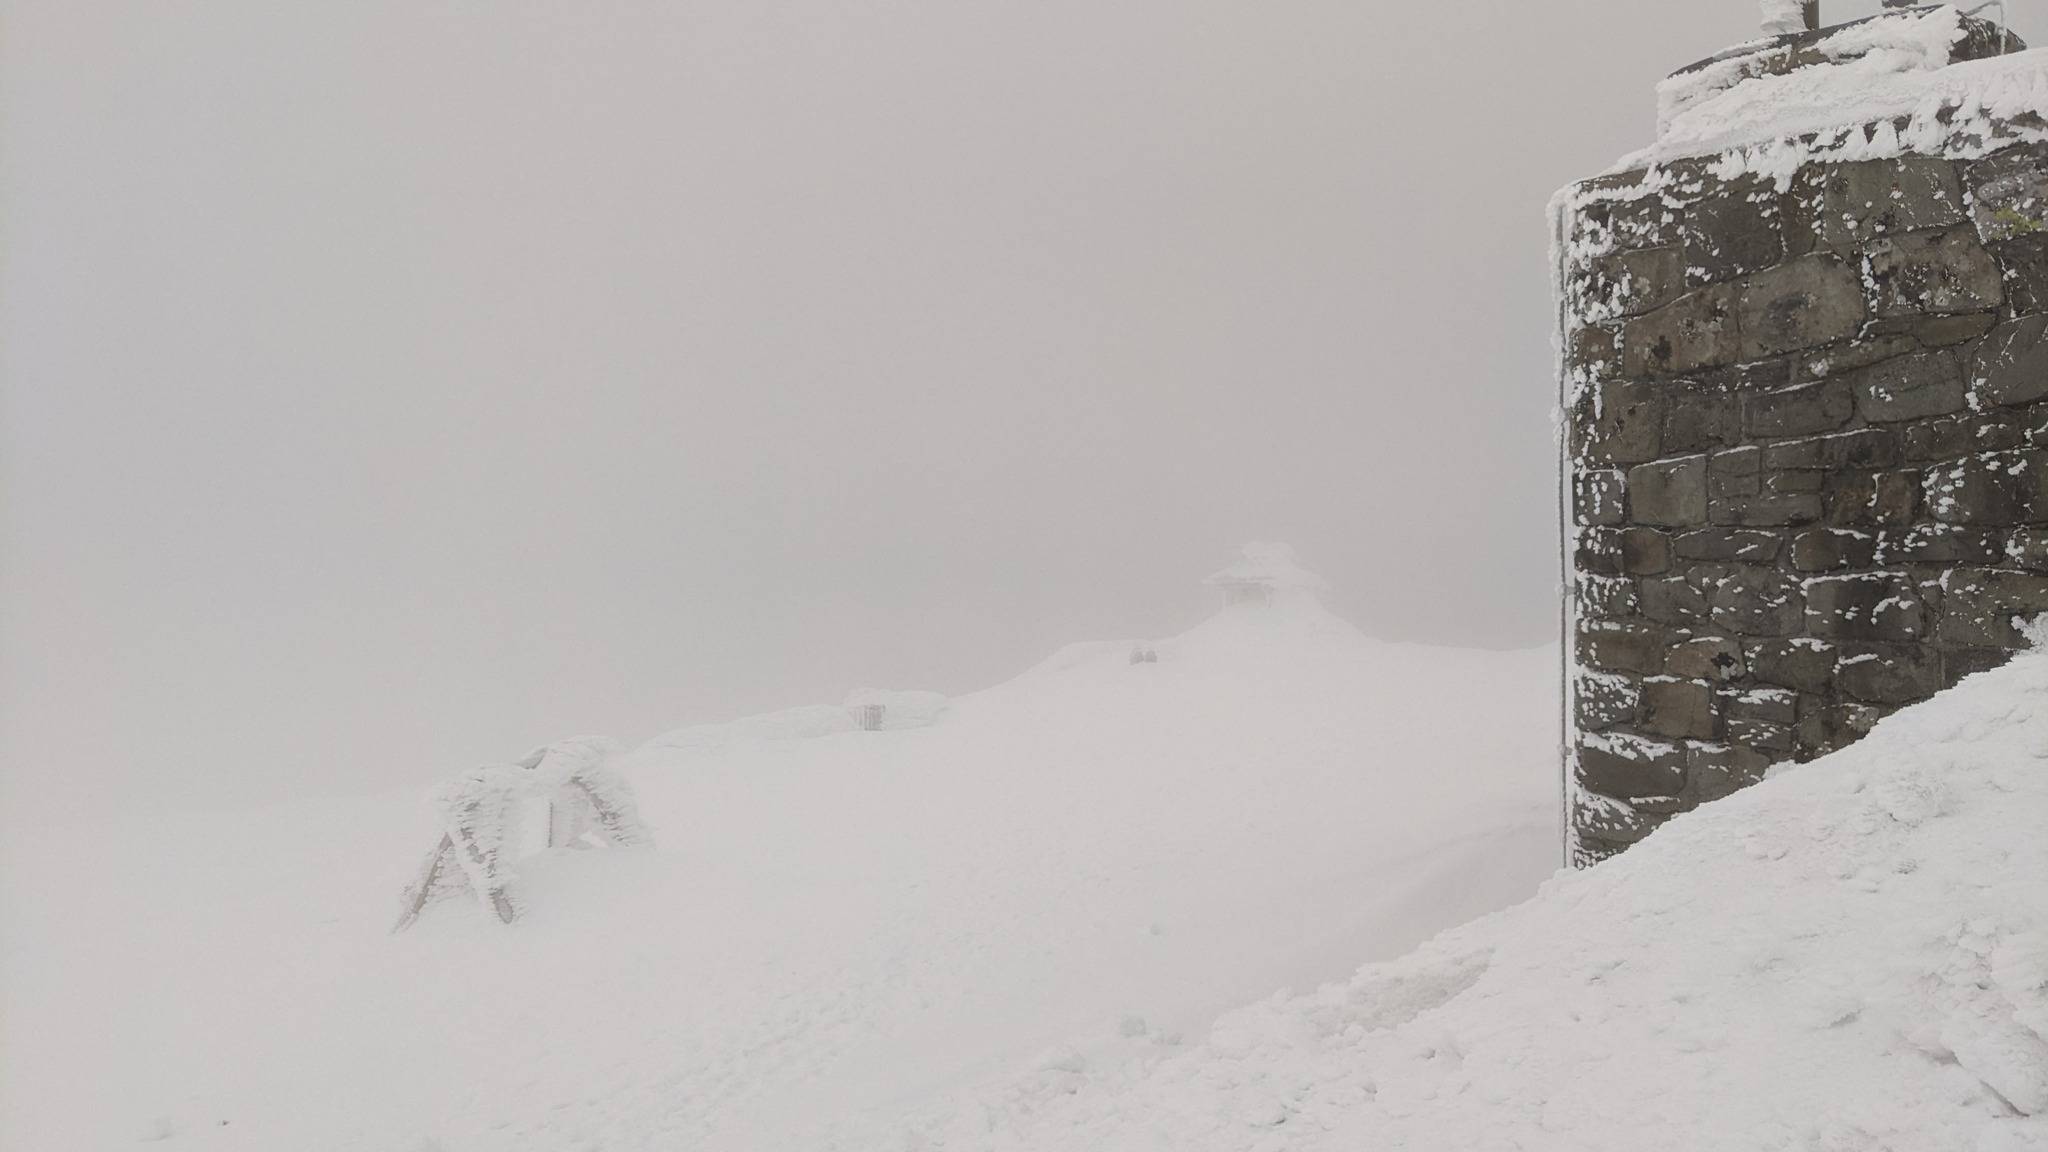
(1850, 955)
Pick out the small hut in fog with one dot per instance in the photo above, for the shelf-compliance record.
(1264, 574)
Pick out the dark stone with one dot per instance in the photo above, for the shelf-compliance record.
(1671, 493)
(2025, 260)
(2026, 547)
(1989, 489)
(1759, 734)
(1895, 674)
(1863, 448)
(1872, 198)
(1872, 606)
(1767, 510)
(1592, 352)
(1936, 271)
(1678, 708)
(1979, 606)
(1956, 663)
(1800, 663)
(1756, 602)
(1849, 498)
(1674, 600)
(1647, 769)
(1730, 231)
(1746, 545)
(1604, 700)
(2009, 193)
(1826, 549)
(1597, 497)
(1605, 829)
(1833, 727)
(1605, 596)
(1851, 355)
(1715, 658)
(1895, 498)
(1792, 482)
(2011, 365)
(1939, 544)
(1799, 411)
(1636, 648)
(1950, 437)
(1716, 771)
(1775, 705)
(1644, 551)
(1627, 428)
(1694, 331)
(1939, 331)
(1910, 388)
(1699, 417)
(1800, 304)
(1629, 283)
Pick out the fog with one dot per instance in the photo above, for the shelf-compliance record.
(389, 387)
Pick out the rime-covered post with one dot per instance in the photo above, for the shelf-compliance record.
(1786, 16)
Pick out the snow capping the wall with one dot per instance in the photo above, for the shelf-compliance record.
(1852, 954)
(1890, 90)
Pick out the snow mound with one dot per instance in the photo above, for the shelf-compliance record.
(1852, 954)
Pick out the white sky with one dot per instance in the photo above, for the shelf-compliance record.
(392, 385)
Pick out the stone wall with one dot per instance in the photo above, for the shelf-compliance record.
(1807, 438)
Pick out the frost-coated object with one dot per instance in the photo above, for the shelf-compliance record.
(567, 794)
(1782, 17)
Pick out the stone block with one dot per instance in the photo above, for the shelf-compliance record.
(1669, 493)
(2011, 365)
(1605, 827)
(1800, 663)
(1622, 552)
(1879, 606)
(1873, 198)
(1605, 595)
(1895, 497)
(1957, 663)
(1954, 436)
(1604, 699)
(1597, 497)
(1797, 305)
(1631, 282)
(1731, 230)
(1833, 727)
(1945, 270)
(1775, 705)
(1715, 658)
(1621, 647)
(1850, 355)
(1592, 352)
(1743, 545)
(1756, 602)
(1699, 417)
(1674, 600)
(1981, 607)
(1768, 510)
(1939, 544)
(1616, 766)
(1626, 428)
(1890, 674)
(1827, 549)
(1990, 489)
(1758, 735)
(1862, 448)
(1714, 771)
(2010, 194)
(1801, 410)
(1938, 331)
(1681, 709)
(1695, 331)
(2025, 548)
(1910, 388)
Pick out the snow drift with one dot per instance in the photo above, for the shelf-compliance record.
(1851, 955)
(832, 929)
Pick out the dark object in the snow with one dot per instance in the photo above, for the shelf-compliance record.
(870, 716)
(1144, 655)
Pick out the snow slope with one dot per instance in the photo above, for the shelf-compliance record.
(835, 929)
(1852, 955)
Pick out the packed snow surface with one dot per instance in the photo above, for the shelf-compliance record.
(1852, 955)
(832, 932)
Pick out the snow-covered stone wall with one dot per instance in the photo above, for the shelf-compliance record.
(1806, 437)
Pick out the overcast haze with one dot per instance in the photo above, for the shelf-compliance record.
(390, 387)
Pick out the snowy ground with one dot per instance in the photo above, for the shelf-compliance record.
(835, 936)
(1850, 956)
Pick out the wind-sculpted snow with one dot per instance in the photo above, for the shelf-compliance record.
(833, 929)
(1851, 955)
